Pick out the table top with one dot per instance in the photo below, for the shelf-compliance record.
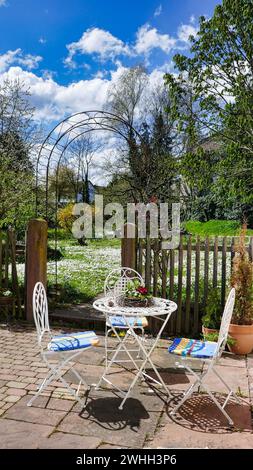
(109, 305)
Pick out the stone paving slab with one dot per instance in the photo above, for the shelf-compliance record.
(199, 424)
(31, 414)
(102, 418)
(21, 435)
(56, 420)
(60, 440)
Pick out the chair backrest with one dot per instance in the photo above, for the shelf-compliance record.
(116, 281)
(225, 322)
(40, 310)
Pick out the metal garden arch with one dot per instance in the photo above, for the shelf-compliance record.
(55, 148)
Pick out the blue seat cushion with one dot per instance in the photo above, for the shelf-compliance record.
(68, 342)
(137, 322)
(193, 348)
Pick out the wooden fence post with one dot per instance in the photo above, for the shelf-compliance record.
(12, 242)
(128, 248)
(36, 260)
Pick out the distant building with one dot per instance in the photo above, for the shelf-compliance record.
(91, 193)
(81, 195)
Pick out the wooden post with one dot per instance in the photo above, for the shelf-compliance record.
(1, 258)
(215, 261)
(128, 248)
(179, 323)
(164, 273)
(148, 263)
(188, 285)
(172, 323)
(206, 271)
(223, 271)
(15, 286)
(196, 287)
(36, 260)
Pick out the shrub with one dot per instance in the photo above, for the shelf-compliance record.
(242, 280)
(66, 218)
(213, 310)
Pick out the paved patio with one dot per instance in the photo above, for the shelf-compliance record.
(57, 421)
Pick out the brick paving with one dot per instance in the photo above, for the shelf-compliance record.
(56, 420)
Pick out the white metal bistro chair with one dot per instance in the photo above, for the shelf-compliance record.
(62, 349)
(115, 286)
(208, 353)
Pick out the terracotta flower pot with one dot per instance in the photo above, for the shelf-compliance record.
(208, 331)
(243, 335)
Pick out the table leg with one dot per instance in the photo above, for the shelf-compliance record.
(147, 359)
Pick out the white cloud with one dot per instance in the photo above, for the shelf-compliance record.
(186, 30)
(158, 11)
(2, 3)
(54, 101)
(149, 38)
(42, 40)
(97, 41)
(105, 46)
(192, 19)
(29, 61)
(7, 59)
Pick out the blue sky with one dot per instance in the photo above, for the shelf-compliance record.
(68, 52)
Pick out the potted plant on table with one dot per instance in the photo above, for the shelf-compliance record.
(137, 295)
(241, 327)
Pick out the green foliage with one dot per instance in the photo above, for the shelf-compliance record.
(17, 197)
(213, 310)
(212, 96)
(61, 234)
(82, 270)
(147, 167)
(17, 133)
(5, 292)
(214, 337)
(136, 290)
(242, 281)
(66, 218)
(213, 228)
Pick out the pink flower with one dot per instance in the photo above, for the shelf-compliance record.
(142, 290)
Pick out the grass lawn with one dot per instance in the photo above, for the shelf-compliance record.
(82, 269)
(212, 228)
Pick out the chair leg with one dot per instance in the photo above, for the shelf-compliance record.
(227, 387)
(55, 372)
(81, 379)
(189, 392)
(48, 379)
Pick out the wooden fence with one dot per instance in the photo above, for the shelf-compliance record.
(8, 271)
(187, 274)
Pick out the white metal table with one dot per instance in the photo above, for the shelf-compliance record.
(161, 310)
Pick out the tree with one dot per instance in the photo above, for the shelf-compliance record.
(62, 184)
(83, 151)
(126, 96)
(17, 132)
(146, 163)
(219, 74)
(16, 195)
